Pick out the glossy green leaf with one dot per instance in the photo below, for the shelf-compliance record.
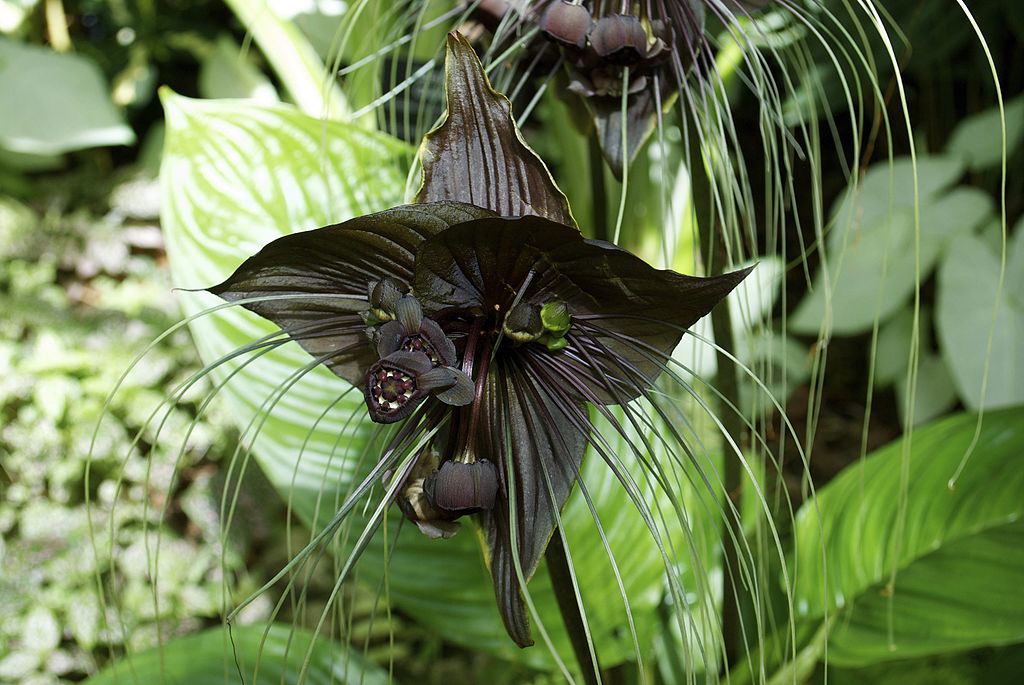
(872, 254)
(237, 176)
(243, 654)
(965, 594)
(968, 295)
(978, 139)
(73, 111)
(956, 551)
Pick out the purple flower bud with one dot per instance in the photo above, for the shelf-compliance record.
(460, 487)
(567, 23)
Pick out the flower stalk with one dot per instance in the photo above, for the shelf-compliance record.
(712, 241)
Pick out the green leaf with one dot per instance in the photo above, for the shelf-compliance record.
(293, 59)
(934, 393)
(978, 139)
(243, 654)
(227, 73)
(958, 551)
(968, 294)
(892, 353)
(497, 171)
(238, 175)
(873, 258)
(73, 111)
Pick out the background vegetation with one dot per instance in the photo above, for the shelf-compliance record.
(924, 577)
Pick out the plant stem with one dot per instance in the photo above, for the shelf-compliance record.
(712, 242)
(598, 192)
(57, 26)
(565, 593)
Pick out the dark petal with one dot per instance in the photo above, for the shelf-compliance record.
(435, 338)
(683, 29)
(389, 338)
(330, 269)
(477, 154)
(641, 119)
(409, 313)
(482, 264)
(384, 295)
(438, 378)
(636, 314)
(392, 336)
(460, 394)
(640, 311)
(529, 432)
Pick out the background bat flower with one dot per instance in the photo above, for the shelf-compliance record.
(628, 61)
(483, 319)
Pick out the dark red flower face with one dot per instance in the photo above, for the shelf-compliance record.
(486, 321)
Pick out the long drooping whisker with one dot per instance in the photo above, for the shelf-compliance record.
(426, 420)
(405, 39)
(598, 441)
(652, 352)
(386, 462)
(402, 472)
(731, 511)
(528, 390)
(260, 346)
(539, 403)
(503, 428)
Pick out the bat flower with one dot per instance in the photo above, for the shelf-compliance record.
(637, 54)
(482, 323)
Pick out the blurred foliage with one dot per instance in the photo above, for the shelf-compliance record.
(82, 294)
(84, 288)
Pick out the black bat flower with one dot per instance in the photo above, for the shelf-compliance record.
(482, 317)
(628, 61)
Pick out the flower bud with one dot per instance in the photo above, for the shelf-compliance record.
(523, 323)
(461, 487)
(555, 318)
(384, 295)
(567, 23)
(616, 33)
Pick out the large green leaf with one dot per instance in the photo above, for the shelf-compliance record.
(54, 103)
(957, 552)
(968, 296)
(871, 248)
(978, 139)
(216, 656)
(237, 175)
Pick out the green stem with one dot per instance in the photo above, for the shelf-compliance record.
(598, 191)
(565, 593)
(712, 241)
(293, 59)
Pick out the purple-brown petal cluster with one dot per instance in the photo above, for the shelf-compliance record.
(482, 323)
